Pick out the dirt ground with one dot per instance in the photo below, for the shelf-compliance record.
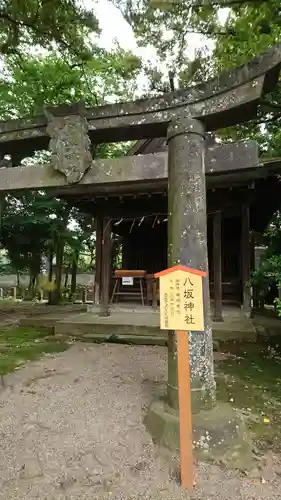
(71, 428)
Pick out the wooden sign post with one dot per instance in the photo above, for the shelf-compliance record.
(181, 309)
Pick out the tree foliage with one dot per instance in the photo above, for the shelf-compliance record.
(28, 84)
(237, 30)
(46, 23)
(243, 31)
(250, 29)
(167, 24)
(35, 224)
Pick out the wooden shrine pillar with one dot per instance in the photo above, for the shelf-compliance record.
(217, 220)
(187, 245)
(246, 258)
(105, 267)
(255, 288)
(97, 289)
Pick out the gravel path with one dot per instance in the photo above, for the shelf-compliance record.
(71, 429)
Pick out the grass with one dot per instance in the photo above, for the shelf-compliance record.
(251, 381)
(19, 345)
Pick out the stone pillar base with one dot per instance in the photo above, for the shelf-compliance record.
(200, 400)
(103, 314)
(219, 434)
(218, 319)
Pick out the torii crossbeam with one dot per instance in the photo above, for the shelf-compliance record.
(109, 174)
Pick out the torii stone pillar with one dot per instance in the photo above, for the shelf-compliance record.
(187, 245)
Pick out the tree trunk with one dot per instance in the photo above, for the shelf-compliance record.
(74, 272)
(92, 258)
(66, 278)
(34, 271)
(56, 294)
(60, 243)
(50, 274)
(32, 281)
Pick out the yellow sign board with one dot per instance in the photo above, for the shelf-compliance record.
(181, 299)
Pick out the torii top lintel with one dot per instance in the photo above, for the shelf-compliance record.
(228, 99)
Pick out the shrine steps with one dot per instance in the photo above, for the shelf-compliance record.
(99, 338)
(119, 327)
(138, 326)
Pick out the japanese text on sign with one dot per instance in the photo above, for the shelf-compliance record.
(189, 298)
(181, 301)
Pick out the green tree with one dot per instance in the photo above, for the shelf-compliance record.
(45, 23)
(247, 28)
(167, 24)
(26, 227)
(269, 270)
(26, 85)
(34, 223)
(250, 28)
(79, 234)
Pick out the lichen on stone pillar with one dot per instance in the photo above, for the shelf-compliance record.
(187, 245)
(70, 144)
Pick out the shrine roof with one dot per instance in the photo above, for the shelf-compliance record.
(159, 145)
(264, 168)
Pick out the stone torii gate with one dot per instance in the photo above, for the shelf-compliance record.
(183, 116)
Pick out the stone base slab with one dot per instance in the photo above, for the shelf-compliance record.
(219, 434)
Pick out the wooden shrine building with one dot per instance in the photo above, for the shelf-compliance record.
(237, 185)
(235, 212)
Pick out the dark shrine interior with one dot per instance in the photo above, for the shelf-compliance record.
(139, 219)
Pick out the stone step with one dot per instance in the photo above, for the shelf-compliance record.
(81, 325)
(122, 339)
(82, 329)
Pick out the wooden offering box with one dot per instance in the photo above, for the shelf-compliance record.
(129, 283)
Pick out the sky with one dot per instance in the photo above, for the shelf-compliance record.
(114, 27)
